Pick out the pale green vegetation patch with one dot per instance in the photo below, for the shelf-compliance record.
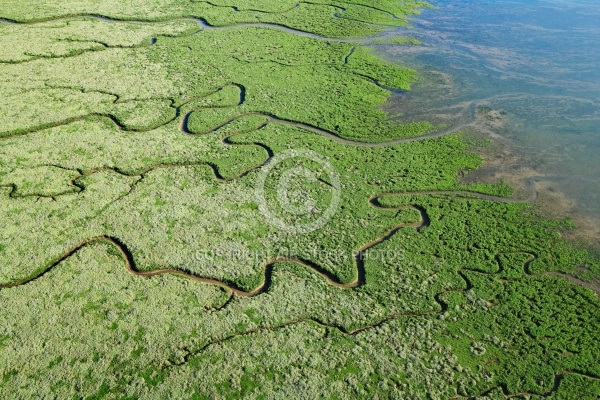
(49, 9)
(137, 261)
(68, 37)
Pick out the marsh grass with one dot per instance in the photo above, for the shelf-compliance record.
(155, 151)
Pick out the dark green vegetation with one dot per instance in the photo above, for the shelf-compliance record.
(135, 261)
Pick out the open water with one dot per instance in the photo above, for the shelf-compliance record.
(531, 68)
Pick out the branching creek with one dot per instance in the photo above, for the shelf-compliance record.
(183, 114)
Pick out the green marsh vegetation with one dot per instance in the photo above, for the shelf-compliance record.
(145, 157)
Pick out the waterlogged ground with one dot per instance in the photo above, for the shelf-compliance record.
(206, 200)
(535, 65)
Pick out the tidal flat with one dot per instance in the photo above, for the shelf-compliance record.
(535, 91)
